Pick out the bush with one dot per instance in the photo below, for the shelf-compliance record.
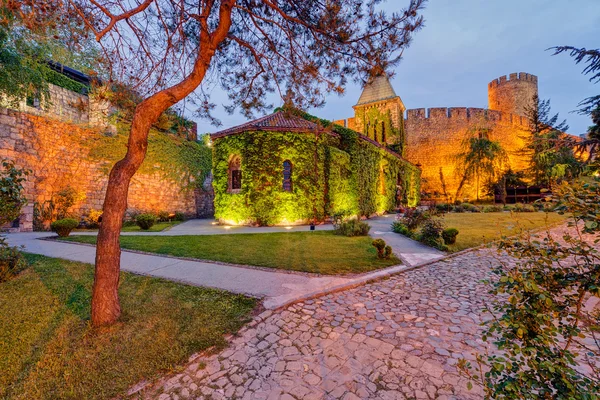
(145, 221)
(383, 250)
(523, 208)
(179, 216)
(449, 235)
(11, 261)
(353, 227)
(458, 209)
(163, 216)
(399, 227)
(91, 221)
(414, 217)
(443, 207)
(470, 207)
(431, 233)
(492, 209)
(64, 226)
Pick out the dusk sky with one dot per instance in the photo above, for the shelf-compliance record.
(467, 43)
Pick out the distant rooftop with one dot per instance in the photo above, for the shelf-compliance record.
(71, 73)
(378, 89)
(279, 121)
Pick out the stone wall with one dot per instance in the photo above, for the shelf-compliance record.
(435, 137)
(56, 152)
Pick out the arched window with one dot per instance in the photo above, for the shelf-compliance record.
(287, 176)
(235, 174)
(383, 132)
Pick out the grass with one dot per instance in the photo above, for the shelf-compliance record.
(478, 228)
(50, 351)
(158, 227)
(318, 252)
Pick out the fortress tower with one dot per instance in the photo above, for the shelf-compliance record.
(512, 95)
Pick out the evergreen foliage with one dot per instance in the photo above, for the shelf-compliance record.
(549, 150)
(12, 198)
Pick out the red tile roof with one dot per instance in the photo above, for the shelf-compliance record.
(280, 121)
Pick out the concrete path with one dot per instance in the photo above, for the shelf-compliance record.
(276, 287)
(410, 251)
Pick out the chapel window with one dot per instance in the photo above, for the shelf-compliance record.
(235, 174)
(287, 176)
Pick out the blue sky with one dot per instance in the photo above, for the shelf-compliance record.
(467, 43)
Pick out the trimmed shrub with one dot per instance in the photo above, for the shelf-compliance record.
(523, 208)
(492, 209)
(383, 250)
(443, 207)
(11, 262)
(145, 221)
(353, 227)
(458, 209)
(388, 252)
(470, 207)
(64, 226)
(179, 216)
(449, 235)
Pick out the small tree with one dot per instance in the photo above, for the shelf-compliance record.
(11, 191)
(549, 150)
(547, 339)
(482, 159)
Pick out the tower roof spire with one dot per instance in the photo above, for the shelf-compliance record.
(377, 89)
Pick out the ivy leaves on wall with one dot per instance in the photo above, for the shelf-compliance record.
(182, 161)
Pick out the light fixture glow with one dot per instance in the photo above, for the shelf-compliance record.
(227, 227)
(288, 227)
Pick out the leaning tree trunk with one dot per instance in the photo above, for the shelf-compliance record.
(105, 298)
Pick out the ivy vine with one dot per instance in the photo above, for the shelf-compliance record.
(182, 161)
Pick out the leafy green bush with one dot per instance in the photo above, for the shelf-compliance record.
(163, 216)
(179, 216)
(523, 208)
(399, 227)
(431, 233)
(449, 235)
(443, 207)
(64, 226)
(470, 207)
(353, 227)
(11, 261)
(383, 250)
(546, 336)
(492, 209)
(145, 221)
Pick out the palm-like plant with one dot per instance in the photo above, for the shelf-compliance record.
(480, 159)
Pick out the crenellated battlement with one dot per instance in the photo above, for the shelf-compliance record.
(515, 76)
(466, 114)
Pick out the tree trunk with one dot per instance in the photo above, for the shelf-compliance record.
(105, 298)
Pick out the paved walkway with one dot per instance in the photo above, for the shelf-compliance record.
(277, 288)
(393, 339)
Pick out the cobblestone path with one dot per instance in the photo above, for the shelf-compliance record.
(394, 339)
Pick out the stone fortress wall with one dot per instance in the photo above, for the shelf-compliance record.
(435, 136)
(50, 142)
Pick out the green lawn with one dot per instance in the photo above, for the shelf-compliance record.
(319, 252)
(159, 226)
(49, 351)
(479, 228)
